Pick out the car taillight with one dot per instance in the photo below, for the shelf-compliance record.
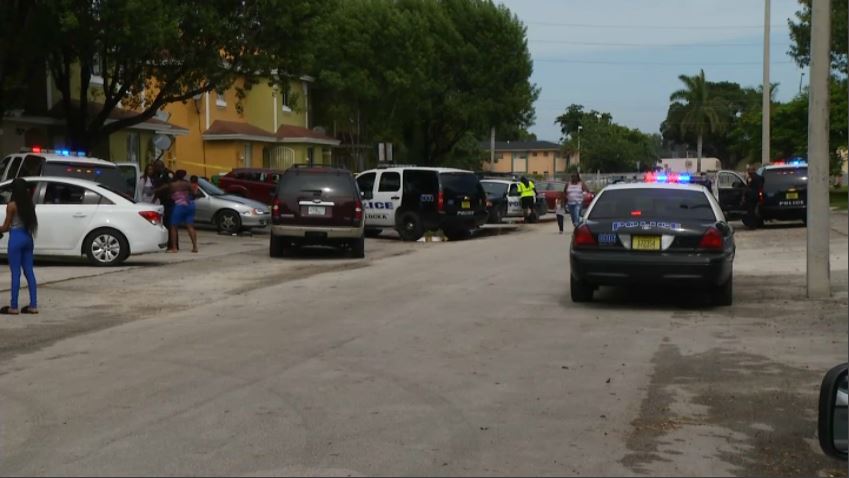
(358, 211)
(440, 201)
(152, 217)
(583, 237)
(712, 240)
(275, 209)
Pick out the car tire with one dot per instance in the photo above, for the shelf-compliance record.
(457, 234)
(106, 247)
(358, 248)
(580, 292)
(410, 226)
(275, 246)
(227, 221)
(724, 294)
(373, 232)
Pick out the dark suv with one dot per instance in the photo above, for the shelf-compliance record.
(251, 183)
(784, 196)
(316, 206)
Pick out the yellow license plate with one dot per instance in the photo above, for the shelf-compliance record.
(645, 243)
(792, 195)
(467, 204)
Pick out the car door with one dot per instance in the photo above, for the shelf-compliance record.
(130, 173)
(366, 182)
(731, 190)
(64, 213)
(514, 203)
(204, 207)
(387, 198)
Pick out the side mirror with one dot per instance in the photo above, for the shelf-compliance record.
(832, 425)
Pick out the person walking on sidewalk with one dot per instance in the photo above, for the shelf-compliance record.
(575, 190)
(21, 223)
(183, 213)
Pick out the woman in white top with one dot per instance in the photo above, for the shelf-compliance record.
(574, 191)
(145, 186)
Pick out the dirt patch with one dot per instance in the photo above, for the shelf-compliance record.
(761, 412)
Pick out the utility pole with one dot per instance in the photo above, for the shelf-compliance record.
(579, 147)
(819, 214)
(492, 149)
(766, 89)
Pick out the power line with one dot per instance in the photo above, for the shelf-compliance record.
(655, 63)
(678, 45)
(654, 27)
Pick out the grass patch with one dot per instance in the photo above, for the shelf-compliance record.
(839, 198)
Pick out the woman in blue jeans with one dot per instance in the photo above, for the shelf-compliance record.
(574, 191)
(21, 224)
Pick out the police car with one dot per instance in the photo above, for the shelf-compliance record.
(784, 196)
(663, 232)
(509, 190)
(413, 200)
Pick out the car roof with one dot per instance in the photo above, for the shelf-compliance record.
(59, 158)
(770, 167)
(419, 168)
(261, 170)
(317, 169)
(676, 186)
(63, 179)
(502, 181)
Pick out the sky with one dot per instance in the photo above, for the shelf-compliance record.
(624, 56)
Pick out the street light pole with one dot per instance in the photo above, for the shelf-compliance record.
(765, 154)
(579, 147)
(819, 215)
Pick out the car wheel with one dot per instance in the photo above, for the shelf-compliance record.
(106, 247)
(724, 294)
(228, 222)
(410, 226)
(457, 234)
(358, 248)
(580, 291)
(275, 246)
(373, 232)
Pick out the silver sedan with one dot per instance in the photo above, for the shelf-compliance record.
(228, 213)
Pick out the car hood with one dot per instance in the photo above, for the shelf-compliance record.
(243, 201)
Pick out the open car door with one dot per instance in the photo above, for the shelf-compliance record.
(131, 174)
(731, 193)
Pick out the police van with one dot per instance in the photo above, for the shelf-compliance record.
(413, 200)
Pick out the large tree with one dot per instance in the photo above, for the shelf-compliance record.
(604, 145)
(153, 52)
(19, 52)
(800, 34)
(698, 111)
(424, 75)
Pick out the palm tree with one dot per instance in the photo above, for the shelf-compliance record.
(699, 112)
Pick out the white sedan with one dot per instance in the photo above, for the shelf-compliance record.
(77, 217)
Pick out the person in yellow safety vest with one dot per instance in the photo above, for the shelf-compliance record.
(527, 196)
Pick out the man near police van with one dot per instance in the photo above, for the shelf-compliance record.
(527, 196)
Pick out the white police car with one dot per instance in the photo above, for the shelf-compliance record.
(413, 200)
(506, 193)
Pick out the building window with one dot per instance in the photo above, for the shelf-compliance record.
(133, 147)
(287, 108)
(220, 100)
(535, 154)
(96, 70)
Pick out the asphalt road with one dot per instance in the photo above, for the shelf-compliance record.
(463, 358)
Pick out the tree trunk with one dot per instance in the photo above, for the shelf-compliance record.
(699, 154)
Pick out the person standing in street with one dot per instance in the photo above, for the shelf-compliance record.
(147, 185)
(574, 191)
(21, 223)
(527, 196)
(162, 183)
(560, 212)
(183, 213)
(753, 191)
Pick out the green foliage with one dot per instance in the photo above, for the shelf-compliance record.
(169, 51)
(695, 110)
(423, 74)
(800, 34)
(604, 145)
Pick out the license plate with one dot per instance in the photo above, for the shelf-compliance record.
(467, 205)
(315, 210)
(645, 243)
(792, 195)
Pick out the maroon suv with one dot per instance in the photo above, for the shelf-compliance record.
(252, 183)
(317, 206)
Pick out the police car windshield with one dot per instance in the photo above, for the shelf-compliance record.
(782, 179)
(459, 183)
(108, 176)
(494, 189)
(651, 203)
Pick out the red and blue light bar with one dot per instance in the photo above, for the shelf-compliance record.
(60, 152)
(667, 178)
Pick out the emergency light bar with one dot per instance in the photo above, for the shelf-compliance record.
(60, 152)
(795, 162)
(667, 178)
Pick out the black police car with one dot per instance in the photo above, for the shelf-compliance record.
(662, 232)
(784, 196)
